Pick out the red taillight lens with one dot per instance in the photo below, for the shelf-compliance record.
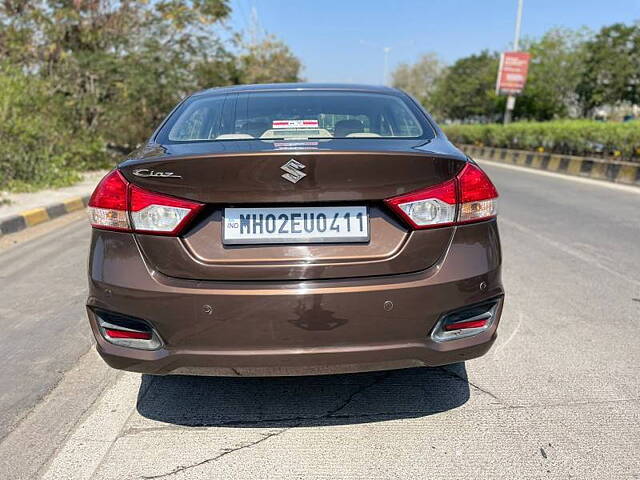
(111, 192)
(478, 196)
(470, 197)
(108, 204)
(118, 205)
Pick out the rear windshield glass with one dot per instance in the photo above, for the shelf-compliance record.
(294, 115)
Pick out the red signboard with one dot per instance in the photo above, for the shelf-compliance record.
(512, 74)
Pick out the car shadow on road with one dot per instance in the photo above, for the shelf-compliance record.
(305, 401)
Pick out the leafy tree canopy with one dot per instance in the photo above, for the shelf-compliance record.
(110, 70)
(555, 70)
(467, 89)
(572, 73)
(611, 72)
(419, 79)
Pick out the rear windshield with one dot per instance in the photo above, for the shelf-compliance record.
(294, 115)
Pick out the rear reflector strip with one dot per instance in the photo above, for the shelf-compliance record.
(465, 325)
(127, 334)
(467, 321)
(127, 331)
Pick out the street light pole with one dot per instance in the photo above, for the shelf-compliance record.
(385, 51)
(511, 99)
(385, 74)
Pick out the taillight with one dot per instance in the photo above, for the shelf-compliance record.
(118, 205)
(156, 213)
(478, 196)
(108, 204)
(434, 206)
(470, 197)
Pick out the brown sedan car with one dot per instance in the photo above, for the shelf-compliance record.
(294, 229)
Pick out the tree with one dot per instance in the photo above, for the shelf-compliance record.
(419, 79)
(119, 66)
(611, 71)
(467, 90)
(268, 61)
(38, 148)
(111, 70)
(554, 74)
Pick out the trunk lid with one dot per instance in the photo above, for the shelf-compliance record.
(333, 178)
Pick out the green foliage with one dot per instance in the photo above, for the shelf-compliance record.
(38, 149)
(611, 73)
(420, 78)
(571, 74)
(79, 76)
(268, 61)
(467, 89)
(571, 137)
(556, 68)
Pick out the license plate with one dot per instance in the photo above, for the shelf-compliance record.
(295, 225)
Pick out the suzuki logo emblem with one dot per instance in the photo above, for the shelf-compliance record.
(293, 169)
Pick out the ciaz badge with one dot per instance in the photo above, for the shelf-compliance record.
(145, 172)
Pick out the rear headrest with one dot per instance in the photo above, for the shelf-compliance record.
(345, 127)
(257, 128)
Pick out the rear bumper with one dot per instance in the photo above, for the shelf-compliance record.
(281, 362)
(295, 327)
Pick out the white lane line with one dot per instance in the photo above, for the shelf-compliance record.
(585, 257)
(498, 350)
(571, 178)
(80, 456)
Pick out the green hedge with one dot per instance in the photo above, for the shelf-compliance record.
(569, 137)
(38, 148)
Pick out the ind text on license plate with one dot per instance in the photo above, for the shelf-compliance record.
(296, 225)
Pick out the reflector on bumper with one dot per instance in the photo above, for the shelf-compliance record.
(127, 332)
(466, 322)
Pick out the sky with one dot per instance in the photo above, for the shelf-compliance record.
(343, 40)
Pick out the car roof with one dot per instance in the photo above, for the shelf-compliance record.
(299, 87)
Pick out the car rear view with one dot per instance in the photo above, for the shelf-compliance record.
(294, 229)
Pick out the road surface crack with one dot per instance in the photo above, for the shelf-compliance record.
(225, 452)
(330, 414)
(455, 375)
(376, 381)
(275, 422)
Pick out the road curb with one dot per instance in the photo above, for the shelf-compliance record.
(36, 216)
(626, 173)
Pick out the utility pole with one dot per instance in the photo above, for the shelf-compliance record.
(255, 29)
(385, 75)
(511, 99)
(385, 65)
(386, 49)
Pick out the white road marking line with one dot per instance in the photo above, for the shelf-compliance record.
(81, 454)
(498, 350)
(570, 251)
(572, 178)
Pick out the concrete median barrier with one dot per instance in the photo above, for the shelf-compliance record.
(609, 170)
(36, 216)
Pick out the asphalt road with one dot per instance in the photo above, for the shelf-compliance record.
(43, 283)
(558, 396)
